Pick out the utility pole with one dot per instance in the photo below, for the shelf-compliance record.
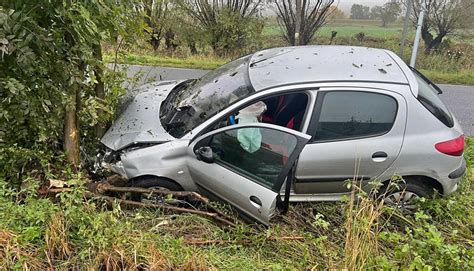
(405, 27)
(417, 37)
(298, 22)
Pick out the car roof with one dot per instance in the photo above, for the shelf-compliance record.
(324, 63)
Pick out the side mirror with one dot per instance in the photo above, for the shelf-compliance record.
(205, 154)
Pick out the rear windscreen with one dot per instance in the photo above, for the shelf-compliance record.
(428, 96)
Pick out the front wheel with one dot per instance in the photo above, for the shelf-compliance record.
(154, 182)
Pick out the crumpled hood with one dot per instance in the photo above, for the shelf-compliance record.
(139, 117)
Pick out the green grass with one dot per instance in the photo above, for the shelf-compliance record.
(197, 62)
(348, 28)
(456, 78)
(371, 31)
(66, 232)
(346, 31)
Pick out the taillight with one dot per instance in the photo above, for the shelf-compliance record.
(453, 147)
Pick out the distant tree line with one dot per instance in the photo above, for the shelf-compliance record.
(230, 27)
(387, 13)
(226, 26)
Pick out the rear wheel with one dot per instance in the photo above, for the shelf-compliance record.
(405, 195)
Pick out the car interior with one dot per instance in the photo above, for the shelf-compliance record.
(275, 147)
(286, 110)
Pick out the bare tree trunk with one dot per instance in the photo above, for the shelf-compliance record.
(71, 141)
(71, 130)
(430, 41)
(192, 47)
(99, 90)
(155, 43)
(301, 20)
(169, 40)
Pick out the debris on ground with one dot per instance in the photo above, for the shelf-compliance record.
(115, 190)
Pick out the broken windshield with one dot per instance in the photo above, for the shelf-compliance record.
(203, 98)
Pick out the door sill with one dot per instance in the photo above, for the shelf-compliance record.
(316, 197)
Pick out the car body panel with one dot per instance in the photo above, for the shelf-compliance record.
(237, 189)
(349, 158)
(412, 83)
(140, 120)
(323, 64)
(166, 160)
(420, 158)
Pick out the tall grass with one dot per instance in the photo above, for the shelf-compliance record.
(362, 229)
(69, 232)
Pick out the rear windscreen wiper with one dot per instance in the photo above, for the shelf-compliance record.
(427, 80)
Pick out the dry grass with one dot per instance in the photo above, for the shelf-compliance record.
(13, 255)
(196, 263)
(155, 260)
(362, 227)
(58, 246)
(115, 258)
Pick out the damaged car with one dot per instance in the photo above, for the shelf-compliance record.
(290, 124)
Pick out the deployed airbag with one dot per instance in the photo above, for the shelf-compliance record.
(250, 139)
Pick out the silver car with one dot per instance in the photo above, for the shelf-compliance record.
(290, 124)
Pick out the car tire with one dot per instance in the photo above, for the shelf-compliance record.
(404, 196)
(153, 182)
(157, 182)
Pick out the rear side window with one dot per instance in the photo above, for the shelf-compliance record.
(353, 114)
(429, 98)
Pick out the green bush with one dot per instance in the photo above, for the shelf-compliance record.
(424, 247)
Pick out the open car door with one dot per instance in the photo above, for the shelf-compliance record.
(245, 165)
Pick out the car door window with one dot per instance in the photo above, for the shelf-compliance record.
(261, 154)
(353, 114)
(286, 110)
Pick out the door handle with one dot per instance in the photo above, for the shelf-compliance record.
(255, 201)
(379, 156)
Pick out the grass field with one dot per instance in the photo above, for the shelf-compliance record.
(372, 28)
(191, 62)
(67, 232)
(372, 31)
(440, 67)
